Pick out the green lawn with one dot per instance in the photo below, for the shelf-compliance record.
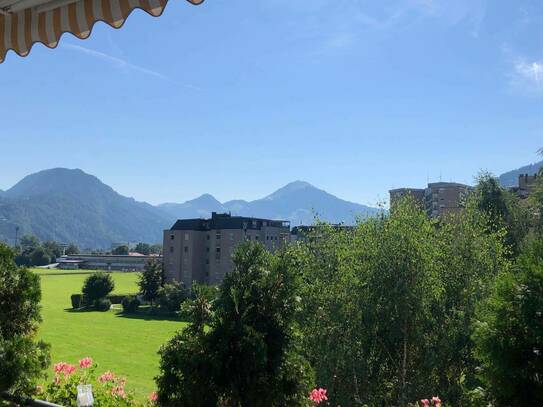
(126, 346)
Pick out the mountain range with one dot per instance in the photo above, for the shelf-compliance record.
(69, 205)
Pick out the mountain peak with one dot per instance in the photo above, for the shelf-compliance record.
(51, 180)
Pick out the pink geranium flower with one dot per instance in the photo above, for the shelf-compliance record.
(153, 397)
(85, 363)
(118, 391)
(106, 377)
(64, 368)
(425, 402)
(318, 395)
(436, 401)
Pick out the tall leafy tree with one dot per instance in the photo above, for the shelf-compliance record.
(503, 210)
(509, 334)
(151, 280)
(390, 304)
(22, 357)
(250, 356)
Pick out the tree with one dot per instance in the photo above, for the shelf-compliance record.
(143, 248)
(97, 286)
(509, 334)
(151, 280)
(156, 249)
(171, 296)
(72, 249)
(39, 257)
(387, 306)
(502, 209)
(52, 249)
(250, 356)
(120, 251)
(22, 358)
(29, 242)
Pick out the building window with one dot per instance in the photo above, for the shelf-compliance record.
(171, 249)
(231, 236)
(186, 236)
(186, 249)
(208, 237)
(172, 237)
(218, 236)
(256, 237)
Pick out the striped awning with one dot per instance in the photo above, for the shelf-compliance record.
(26, 22)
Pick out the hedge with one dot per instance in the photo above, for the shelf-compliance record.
(79, 300)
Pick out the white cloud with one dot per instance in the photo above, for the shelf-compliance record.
(123, 64)
(530, 72)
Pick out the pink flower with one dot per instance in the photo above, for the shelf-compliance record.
(65, 368)
(106, 377)
(118, 391)
(318, 395)
(436, 401)
(425, 402)
(85, 362)
(153, 397)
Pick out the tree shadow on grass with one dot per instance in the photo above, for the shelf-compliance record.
(147, 316)
(81, 310)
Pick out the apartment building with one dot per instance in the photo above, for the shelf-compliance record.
(201, 249)
(526, 184)
(437, 199)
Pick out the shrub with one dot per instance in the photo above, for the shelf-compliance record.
(102, 304)
(98, 285)
(130, 304)
(171, 296)
(117, 298)
(22, 358)
(78, 301)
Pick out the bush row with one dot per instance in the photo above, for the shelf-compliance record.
(80, 301)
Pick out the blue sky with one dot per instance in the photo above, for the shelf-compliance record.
(238, 97)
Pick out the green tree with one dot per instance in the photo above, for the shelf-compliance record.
(29, 242)
(39, 257)
(120, 251)
(387, 307)
(250, 356)
(503, 210)
(151, 280)
(22, 358)
(97, 286)
(143, 248)
(156, 249)
(171, 296)
(52, 249)
(72, 249)
(509, 334)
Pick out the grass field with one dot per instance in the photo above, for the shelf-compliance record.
(125, 345)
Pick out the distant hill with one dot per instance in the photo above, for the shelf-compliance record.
(510, 178)
(72, 206)
(299, 202)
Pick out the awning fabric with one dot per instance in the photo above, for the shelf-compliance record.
(26, 22)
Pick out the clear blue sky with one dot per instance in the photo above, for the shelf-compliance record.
(238, 97)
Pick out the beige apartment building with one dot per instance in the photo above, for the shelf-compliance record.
(201, 250)
(437, 199)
